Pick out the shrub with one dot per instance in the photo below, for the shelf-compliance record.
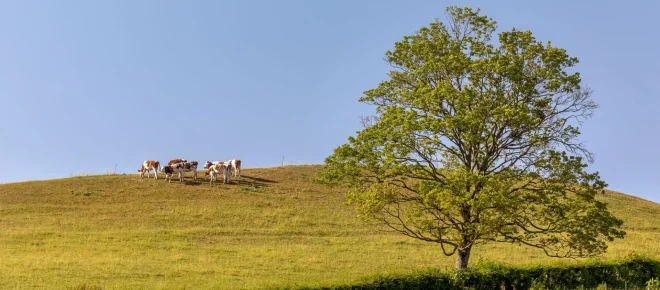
(632, 271)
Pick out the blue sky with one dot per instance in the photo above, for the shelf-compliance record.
(87, 85)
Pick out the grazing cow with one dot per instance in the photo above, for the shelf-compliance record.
(235, 166)
(191, 166)
(174, 168)
(220, 168)
(174, 161)
(149, 165)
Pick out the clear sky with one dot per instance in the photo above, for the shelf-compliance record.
(87, 85)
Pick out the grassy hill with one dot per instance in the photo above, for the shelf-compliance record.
(271, 228)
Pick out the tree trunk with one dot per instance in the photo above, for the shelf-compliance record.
(462, 258)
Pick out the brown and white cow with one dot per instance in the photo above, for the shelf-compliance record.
(149, 165)
(220, 168)
(209, 164)
(192, 166)
(235, 166)
(211, 172)
(174, 161)
(174, 168)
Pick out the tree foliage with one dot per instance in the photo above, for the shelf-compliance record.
(476, 141)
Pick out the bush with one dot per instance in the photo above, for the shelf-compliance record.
(633, 271)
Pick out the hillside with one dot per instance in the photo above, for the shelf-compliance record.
(271, 228)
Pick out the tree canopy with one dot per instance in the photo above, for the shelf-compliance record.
(476, 141)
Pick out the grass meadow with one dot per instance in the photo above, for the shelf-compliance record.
(271, 228)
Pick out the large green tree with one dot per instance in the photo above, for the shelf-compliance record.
(476, 141)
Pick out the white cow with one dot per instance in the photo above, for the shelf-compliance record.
(208, 164)
(191, 166)
(149, 165)
(174, 168)
(235, 166)
(220, 168)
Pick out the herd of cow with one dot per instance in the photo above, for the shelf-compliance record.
(181, 166)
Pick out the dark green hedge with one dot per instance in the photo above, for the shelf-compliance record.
(632, 271)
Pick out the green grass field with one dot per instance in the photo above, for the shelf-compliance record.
(271, 228)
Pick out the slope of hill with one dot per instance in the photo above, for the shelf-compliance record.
(273, 227)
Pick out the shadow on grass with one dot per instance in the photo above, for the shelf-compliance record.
(258, 179)
(244, 181)
(193, 182)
